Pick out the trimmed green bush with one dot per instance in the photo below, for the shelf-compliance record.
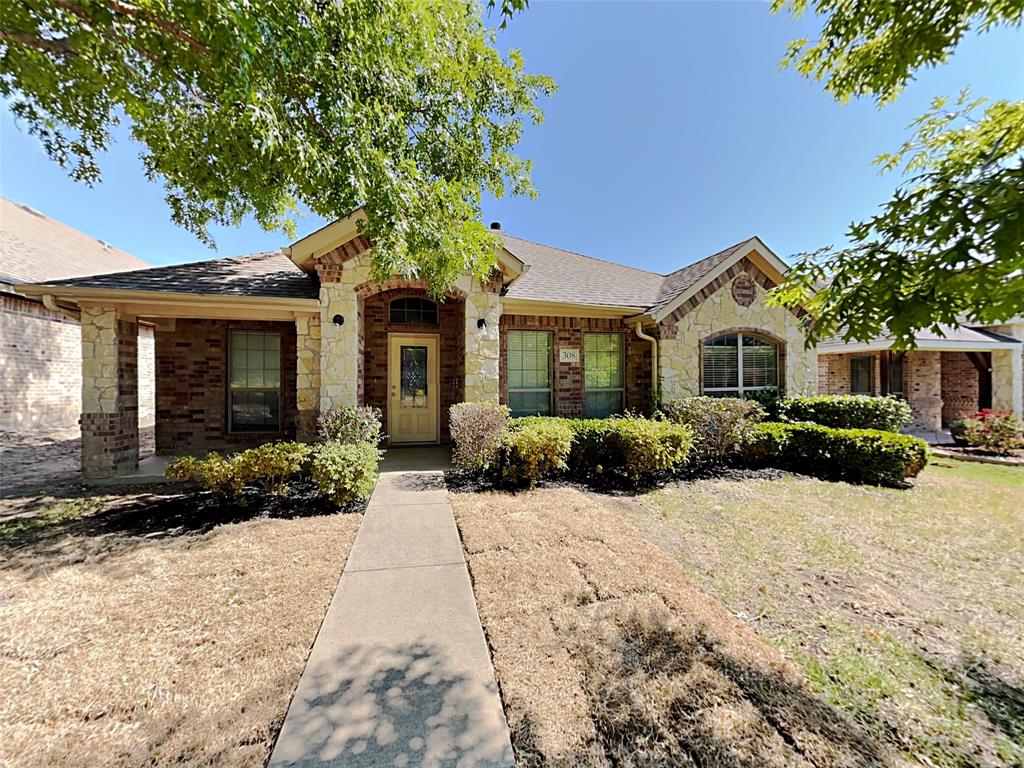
(532, 449)
(720, 425)
(631, 450)
(345, 472)
(847, 411)
(269, 466)
(477, 430)
(215, 473)
(869, 456)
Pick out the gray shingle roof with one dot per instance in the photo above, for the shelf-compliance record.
(555, 274)
(962, 334)
(34, 248)
(269, 274)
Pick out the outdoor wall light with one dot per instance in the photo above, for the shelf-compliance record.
(481, 323)
(338, 320)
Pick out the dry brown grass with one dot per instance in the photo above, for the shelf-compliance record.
(151, 649)
(608, 654)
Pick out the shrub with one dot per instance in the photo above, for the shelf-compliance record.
(847, 411)
(870, 456)
(631, 450)
(345, 472)
(215, 473)
(350, 425)
(720, 425)
(533, 449)
(271, 465)
(996, 431)
(477, 430)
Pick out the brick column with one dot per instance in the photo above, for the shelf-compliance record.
(110, 385)
(307, 375)
(482, 350)
(923, 372)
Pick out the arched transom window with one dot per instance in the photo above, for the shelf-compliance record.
(412, 310)
(738, 363)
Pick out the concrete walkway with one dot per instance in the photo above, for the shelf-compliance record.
(399, 674)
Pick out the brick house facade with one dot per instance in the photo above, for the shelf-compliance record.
(316, 330)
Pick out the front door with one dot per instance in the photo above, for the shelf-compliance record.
(412, 389)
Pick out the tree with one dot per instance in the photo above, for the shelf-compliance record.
(403, 107)
(950, 242)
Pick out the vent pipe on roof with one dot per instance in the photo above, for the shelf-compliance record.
(496, 225)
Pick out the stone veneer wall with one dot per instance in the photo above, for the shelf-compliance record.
(713, 311)
(1008, 371)
(376, 325)
(307, 376)
(959, 386)
(191, 386)
(110, 384)
(567, 332)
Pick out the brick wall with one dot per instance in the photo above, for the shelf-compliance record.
(959, 386)
(567, 332)
(834, 373)
(41, 369)
(375, 325)
(191, 386)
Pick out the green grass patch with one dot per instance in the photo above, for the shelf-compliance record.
(62, 511)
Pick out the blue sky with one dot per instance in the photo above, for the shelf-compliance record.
(673, 134)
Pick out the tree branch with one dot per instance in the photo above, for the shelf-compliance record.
(61, 47)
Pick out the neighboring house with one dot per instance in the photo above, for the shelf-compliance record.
(41, 346)
(253, 348)
(955, 372)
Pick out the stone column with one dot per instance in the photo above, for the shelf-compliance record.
(1007, 378)
(923, 372)
(307, 375)
(482, 344)
(110, 385)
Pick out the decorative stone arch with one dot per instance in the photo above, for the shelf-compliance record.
(372, 287)
(777, 340)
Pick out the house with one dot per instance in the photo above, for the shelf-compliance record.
(951, 372)
(253, 348)
(40, 344)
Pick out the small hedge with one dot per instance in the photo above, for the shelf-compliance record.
(847, 411)
(720, 425)
(630, 450)
(345, 472)
(477, 430)
(869, 456)
(532, 450)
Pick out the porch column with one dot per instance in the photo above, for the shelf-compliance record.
(1007, 378)
(110, 386)
(482, 350)
(923, 372)
(307, 375)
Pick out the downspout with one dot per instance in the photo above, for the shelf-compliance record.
(51, 304)
(655, 369)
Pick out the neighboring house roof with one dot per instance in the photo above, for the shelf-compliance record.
(267, 274)
(35, 248)
(950, 338)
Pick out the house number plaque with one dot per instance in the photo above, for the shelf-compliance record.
(568, 355)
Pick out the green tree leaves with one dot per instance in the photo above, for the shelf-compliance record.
(949, 245)
(261, 107)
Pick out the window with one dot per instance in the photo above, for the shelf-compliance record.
(254, 386)
(892, 373)
(861, 370)
(603, 381)
(413, 310)
(529, 373)
(739, 363)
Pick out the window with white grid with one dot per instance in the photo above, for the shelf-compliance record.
(739, 363)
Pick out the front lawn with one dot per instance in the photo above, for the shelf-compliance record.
(905, 608)
(155, 630)
(608, 654)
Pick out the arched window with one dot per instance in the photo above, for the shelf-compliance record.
(412, 310)
(738, 363)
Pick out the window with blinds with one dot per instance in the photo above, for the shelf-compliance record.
(604, 392)
(737, 363)
(254, 384)
(528, 357)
